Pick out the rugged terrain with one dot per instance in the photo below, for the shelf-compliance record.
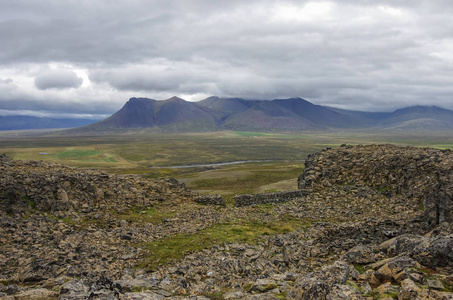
(375, 224)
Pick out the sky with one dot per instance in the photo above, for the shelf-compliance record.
(86, 58)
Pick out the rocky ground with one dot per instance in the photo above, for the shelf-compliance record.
(376, 224)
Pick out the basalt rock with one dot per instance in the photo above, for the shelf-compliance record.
(419, 176)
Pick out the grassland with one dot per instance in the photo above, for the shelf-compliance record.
(155, 155)
(247, 178)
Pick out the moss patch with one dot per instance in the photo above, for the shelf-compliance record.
(176, 247)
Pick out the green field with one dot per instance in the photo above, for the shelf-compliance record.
(153, 154)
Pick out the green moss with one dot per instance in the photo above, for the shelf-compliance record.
(393, 295)
(31, 203)
(354, 286)
(421, 206)
(360, 268)
(376, 295)
(175, 247)
(384, 189)
(138, 289)
(68, 220)
(271, 286)
(5, 282)
(281, 296)
(247, 287)
(150, 215)
(427, 271)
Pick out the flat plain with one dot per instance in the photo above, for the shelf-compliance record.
(270, 161)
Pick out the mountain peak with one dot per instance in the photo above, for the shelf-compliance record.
(175, 98)
(139, 99)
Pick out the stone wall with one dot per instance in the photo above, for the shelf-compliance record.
(422, 177)
(267, 198)
(210, 200)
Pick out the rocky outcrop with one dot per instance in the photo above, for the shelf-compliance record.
(52, 187)
(420, 176)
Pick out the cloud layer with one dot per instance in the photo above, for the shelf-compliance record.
(57, 79)
(91, 56)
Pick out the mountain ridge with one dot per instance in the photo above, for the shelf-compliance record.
(293, 114)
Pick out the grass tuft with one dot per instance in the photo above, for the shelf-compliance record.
(176, 247)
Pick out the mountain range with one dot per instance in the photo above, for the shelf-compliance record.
(294, 114)
(215, 113)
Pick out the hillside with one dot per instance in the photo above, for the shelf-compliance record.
(173, 114)
(371, 222)
(419, 117)
(225, 107)
(294, 114)
(268, 116)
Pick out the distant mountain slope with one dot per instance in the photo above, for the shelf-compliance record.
(224, 107)
(175, 113)
(214, 113)
(419, 112)
(29, 122)
(136, 113)
(268, 115)
(320, 115)
(366, 119)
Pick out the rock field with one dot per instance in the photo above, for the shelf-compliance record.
(376, 223)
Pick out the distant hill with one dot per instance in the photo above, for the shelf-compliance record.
(29, 122)
(294, 114)
(438, 117)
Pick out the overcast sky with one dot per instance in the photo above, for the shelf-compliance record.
(88, 57)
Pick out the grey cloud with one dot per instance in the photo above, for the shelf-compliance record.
(57, 106)
(137, 78)
(4, 112)
(362, 55)
(6, 81)
(57, 79)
